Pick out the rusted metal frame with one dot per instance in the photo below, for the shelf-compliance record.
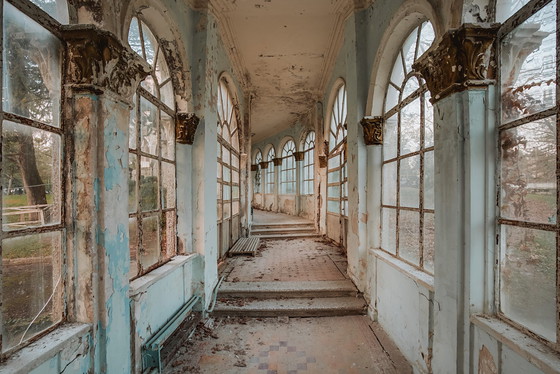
(33, 123)
(407, 100)
(422, 168)
(38, 15)
(155, 101)
(529, 225)
(521, 16)
(528, 119)
(33, 230)
(141, 34)
(398, 183)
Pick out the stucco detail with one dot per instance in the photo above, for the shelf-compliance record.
(463, 59)
(185, 127)
(373, 130)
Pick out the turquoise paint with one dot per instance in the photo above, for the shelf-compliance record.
(115, 154)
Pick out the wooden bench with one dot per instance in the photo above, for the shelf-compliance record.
(245, 246)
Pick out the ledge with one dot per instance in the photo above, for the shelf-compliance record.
(537, 353)
(39, 352)
(141, 284)
(425, 279)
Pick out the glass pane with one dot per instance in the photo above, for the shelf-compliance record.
(150, 44)
(334, 176)
(235, 161)
(227, 192)
(235, 176)
(397, 75)
(392, 98)
(167, 136)
(227, 210)
(167, 96)
(409, 236)
(225, 155)
(389, 230)
(410, 182)
(390, 184)
(429, 180)
(134, 40)
(506, 8)
(334, 191)
(169, 237)
(32, 286)
(235, 206)
(161, 70)
(411, 86)
(149, 127)
(235, 192)
(226, 174)
(32, 68)
(57, 9)
(30, 177)
(390, 138)
(149, 254)
(410, 127)
(334, 162)
(528, 172)
(428, 121)
(528, 66)
(133, 246)
(409, 49)
(132, 125)
(149, 176)
(132, 183)
(429, 241)
(427, 37)
(168, 185)
(333, 206)
(149, 85)
(528, 279)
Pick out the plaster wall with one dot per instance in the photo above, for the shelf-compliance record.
(307, 205)
(287, 204)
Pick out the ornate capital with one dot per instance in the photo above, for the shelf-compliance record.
(299, 156)
(254, 167)
(264, 165)
(323, 161)
(463, 59)
(373, 130)
(326, 147)
(277, 161)
(97, 58)
(185, 127)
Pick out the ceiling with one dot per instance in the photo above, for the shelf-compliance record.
(283, 51)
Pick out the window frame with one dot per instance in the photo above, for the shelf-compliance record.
(308, 169)
(270, 172)
(337, 149)
(288, 177)
(257, 188)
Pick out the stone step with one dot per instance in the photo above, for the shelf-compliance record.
(267, 290)
(256, 226)
(289, 236)
(295, 230)
(296, 307)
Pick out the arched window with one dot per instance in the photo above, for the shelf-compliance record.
(308, 164)
(33, 134)
(529, 232)
(152, 197)
(258, 173)
(337, 196)
(288, 169)
(269, 182)
(228, 155)
(408, 166)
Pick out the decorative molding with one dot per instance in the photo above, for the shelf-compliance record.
(97, 58)
(277, 161)
(255, 167)
(323, 161)
(185, 127)
(299, 156)
(373, 130)
(463, 59)
(264, 165)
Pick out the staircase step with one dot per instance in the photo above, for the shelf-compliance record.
(265, 290)
(303, 230)
(288, 236)
(300, 307)
(256, 226)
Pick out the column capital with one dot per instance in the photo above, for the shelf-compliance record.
(463, 59)
(98, 59)
(185, 127)
(299, 156)
(373, 130)
(323, 161)
(277, 161)
(255, 167)
(264, 165)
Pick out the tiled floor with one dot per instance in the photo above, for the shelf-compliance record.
(338, 345)
(289, 260)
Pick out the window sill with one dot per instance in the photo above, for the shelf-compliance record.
(39, 352)
(417, 275)
(543, 357)
(141, 284)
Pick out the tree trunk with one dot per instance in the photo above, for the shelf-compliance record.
(32, 182)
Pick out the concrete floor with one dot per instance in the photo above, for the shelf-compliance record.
(282, 345)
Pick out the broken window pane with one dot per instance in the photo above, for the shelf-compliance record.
(32, 286)
(528, 172)
(30, 177)
(528, 279)
(409, 234)
(57, 9)
(528, 66)
(149, 183)
(149, 254)
(31, 68)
